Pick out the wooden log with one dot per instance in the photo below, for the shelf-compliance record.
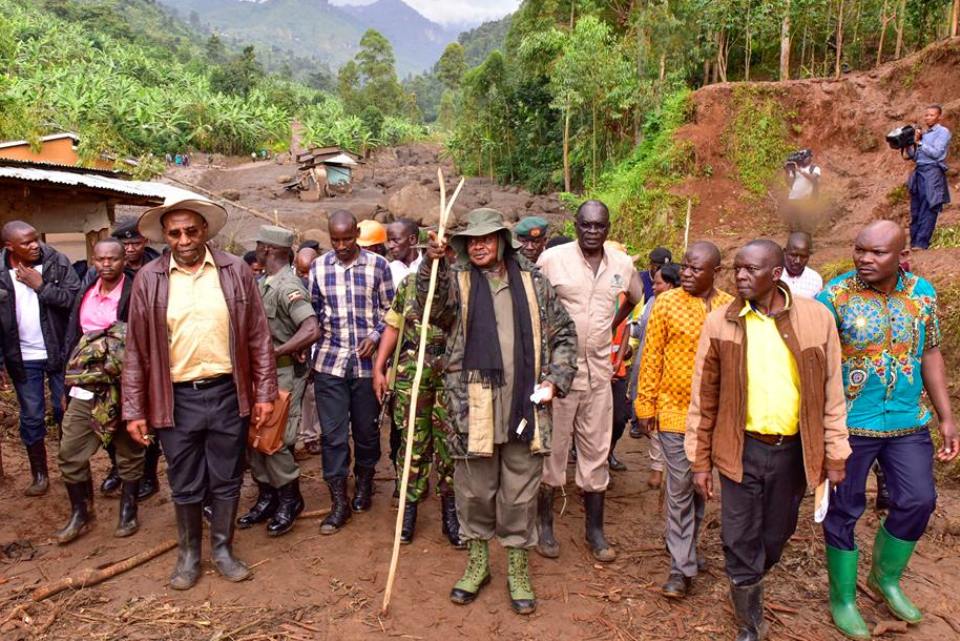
(93, 576)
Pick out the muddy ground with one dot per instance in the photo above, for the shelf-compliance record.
(308, 586)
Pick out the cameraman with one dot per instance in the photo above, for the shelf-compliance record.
(802, 176)
(928, 182)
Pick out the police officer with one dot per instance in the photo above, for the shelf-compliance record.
(293, 326)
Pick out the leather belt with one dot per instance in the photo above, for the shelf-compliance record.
(204, 383)
(774, 439)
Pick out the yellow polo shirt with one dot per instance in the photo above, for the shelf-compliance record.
(773, 381)
(198, 323)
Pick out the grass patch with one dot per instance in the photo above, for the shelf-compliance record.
(637, 190)
(757, 135)
(835, 268)
(947, 236)
(897, 195)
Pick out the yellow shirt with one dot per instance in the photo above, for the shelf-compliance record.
(773, 381)
(198, 323)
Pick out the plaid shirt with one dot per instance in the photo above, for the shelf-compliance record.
(350, 303)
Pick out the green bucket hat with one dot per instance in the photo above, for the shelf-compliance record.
(482, 222)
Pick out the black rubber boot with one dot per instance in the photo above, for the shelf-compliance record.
(363, 497)
(189, 533)
(615, 464)
(289, 508)
(81, 513)
(221, 540)
(593, 503)
(263, 510)
(112, 483)
(37, 455)
(547, 546)
(409, 523)
(748, 608)
(883, 496)
(451, 522)
(149, 485)
(127, 523)
(339, 508)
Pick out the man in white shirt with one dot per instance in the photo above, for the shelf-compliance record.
(801, 280)
(803, 176)
(37, 289)
(402, 252)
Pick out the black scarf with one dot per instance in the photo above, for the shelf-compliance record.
(482, 359)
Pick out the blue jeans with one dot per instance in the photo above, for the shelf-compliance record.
(33, 405)
(907, 462)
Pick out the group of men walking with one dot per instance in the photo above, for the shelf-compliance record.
(774, 389)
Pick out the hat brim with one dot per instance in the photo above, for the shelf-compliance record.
(459, 240)
(214, 214)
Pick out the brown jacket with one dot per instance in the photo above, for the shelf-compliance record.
(146, 384)
(717, 418)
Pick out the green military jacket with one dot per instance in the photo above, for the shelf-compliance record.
(404, 308)
(287, 305)
(470, 405)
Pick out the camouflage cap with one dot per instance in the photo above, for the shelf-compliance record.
(276, 236)
(532, 226)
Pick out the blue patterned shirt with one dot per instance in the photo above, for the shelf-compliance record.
(883, 338)
(350, 303)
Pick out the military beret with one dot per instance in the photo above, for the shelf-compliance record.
(533, 226)
(661, 256)
(127, 230)
(277, 236)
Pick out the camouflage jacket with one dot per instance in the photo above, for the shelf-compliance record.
(95, 366)
(555, 359)
(404, 308)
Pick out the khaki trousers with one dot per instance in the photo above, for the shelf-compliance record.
(79, 443)
(497, 495)
(585, 416)
(280, 468)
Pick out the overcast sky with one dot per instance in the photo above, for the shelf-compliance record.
(455, 11)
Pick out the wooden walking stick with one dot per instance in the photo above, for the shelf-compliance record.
(445, 209)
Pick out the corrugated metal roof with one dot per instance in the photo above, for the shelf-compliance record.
(155, 191)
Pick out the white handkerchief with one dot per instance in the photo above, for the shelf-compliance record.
(82, 394)
(822, 501)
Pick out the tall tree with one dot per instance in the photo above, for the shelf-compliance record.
(451, 66)
(785, 43)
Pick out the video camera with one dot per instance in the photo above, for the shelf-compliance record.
(902, 137)
(799, 158)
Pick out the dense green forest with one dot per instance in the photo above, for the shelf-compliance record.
(132, 80)
(584, 93)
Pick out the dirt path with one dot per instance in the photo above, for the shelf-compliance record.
(311, 587)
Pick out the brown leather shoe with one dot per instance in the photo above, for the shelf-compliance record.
(676, 586)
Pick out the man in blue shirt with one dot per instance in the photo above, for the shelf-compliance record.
(890, 350)
(928, 182)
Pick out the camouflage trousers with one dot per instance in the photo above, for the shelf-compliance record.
(429, 436)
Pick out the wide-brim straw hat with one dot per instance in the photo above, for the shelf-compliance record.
(215, 215)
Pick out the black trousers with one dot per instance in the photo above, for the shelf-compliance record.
(759, 515)
(206, 446)
(621, 410)
(347, 405)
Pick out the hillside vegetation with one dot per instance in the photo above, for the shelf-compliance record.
(132, 80)
(583, 92)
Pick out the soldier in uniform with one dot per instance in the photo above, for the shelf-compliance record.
(293, 327)
(431, 428)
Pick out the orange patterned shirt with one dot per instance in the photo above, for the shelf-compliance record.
(666, 371)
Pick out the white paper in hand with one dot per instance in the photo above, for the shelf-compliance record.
(541, 395)
(821, 501)
(80, 393)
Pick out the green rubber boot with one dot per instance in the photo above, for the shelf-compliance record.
(476, 575)
(522, 599)
(890, 558)
(842, 569)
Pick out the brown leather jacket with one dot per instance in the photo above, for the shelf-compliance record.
(146, 384)
(718, 408)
